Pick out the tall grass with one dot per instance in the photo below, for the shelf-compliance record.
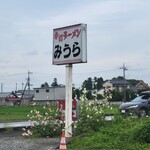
(120, 134)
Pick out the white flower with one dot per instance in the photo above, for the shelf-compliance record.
(90, 103)
(25, 134)
(34, 104)
(29, 132)
(23, 129)
(46, 113)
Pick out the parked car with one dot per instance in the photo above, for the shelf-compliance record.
(139, 106)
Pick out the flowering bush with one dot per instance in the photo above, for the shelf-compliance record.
(90, 117)
(44, 124)
(91, 113)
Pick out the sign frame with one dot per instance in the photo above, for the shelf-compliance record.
(70, 45)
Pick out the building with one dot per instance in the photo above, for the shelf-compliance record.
(3, 95)
(12, 99)
(141, 85)
(48, 95)
(19, 97)
(116, 84)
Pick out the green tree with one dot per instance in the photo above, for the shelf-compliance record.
(54, 83)
(87, 84)
(117, 96)
(133, 81)
(44, 85)
(91, 85)
(76, 92)
(100, 82)
(130, 94)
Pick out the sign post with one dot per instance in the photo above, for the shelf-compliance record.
(69, 47)
(68, 111)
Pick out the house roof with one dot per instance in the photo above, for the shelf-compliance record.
(142, 84)
(12, 97)
(49, 87)
(119, 82)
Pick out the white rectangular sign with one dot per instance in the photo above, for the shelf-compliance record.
(70, 44)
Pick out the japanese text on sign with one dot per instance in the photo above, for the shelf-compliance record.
(69, 44)
(65, 35)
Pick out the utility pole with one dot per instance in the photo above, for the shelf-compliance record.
(124, 76)
(16, 87)
(22, 85)
(1, 87)
(28, 83)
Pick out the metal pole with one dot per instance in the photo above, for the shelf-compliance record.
(1, 87)
(29, 84)
(124, 69)
(124, 76)
(68, 107)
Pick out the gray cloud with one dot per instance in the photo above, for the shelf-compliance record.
(31, 53)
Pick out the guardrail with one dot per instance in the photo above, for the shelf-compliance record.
(16, 124)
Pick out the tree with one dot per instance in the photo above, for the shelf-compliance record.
(99, 84)
(130, 94)
(76, 93)
(117, 96)
(44, 85)
(54, 83)
(87, 84)
(92, 84)
(133, 81)
(119, 78)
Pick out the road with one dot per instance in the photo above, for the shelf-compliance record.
(13, 140)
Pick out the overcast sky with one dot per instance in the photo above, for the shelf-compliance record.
(118, 31)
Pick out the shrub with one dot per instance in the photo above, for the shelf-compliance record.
(142, 133)
(44, 124)
(91, 114)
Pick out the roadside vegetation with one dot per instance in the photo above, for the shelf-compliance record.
(91, 131)
(121, 134)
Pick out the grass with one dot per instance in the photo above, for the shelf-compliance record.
(115, 135)
(118, 134)
(15, 113)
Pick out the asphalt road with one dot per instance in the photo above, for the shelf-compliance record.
(13, 140)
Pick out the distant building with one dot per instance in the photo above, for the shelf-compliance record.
(116, 84)
(119, 84)
(12, 99)
(3, 95)
(141, 85)
(48, 95)
(19, 97)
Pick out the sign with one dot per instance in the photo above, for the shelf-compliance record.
(70, 44)
(61, 106)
